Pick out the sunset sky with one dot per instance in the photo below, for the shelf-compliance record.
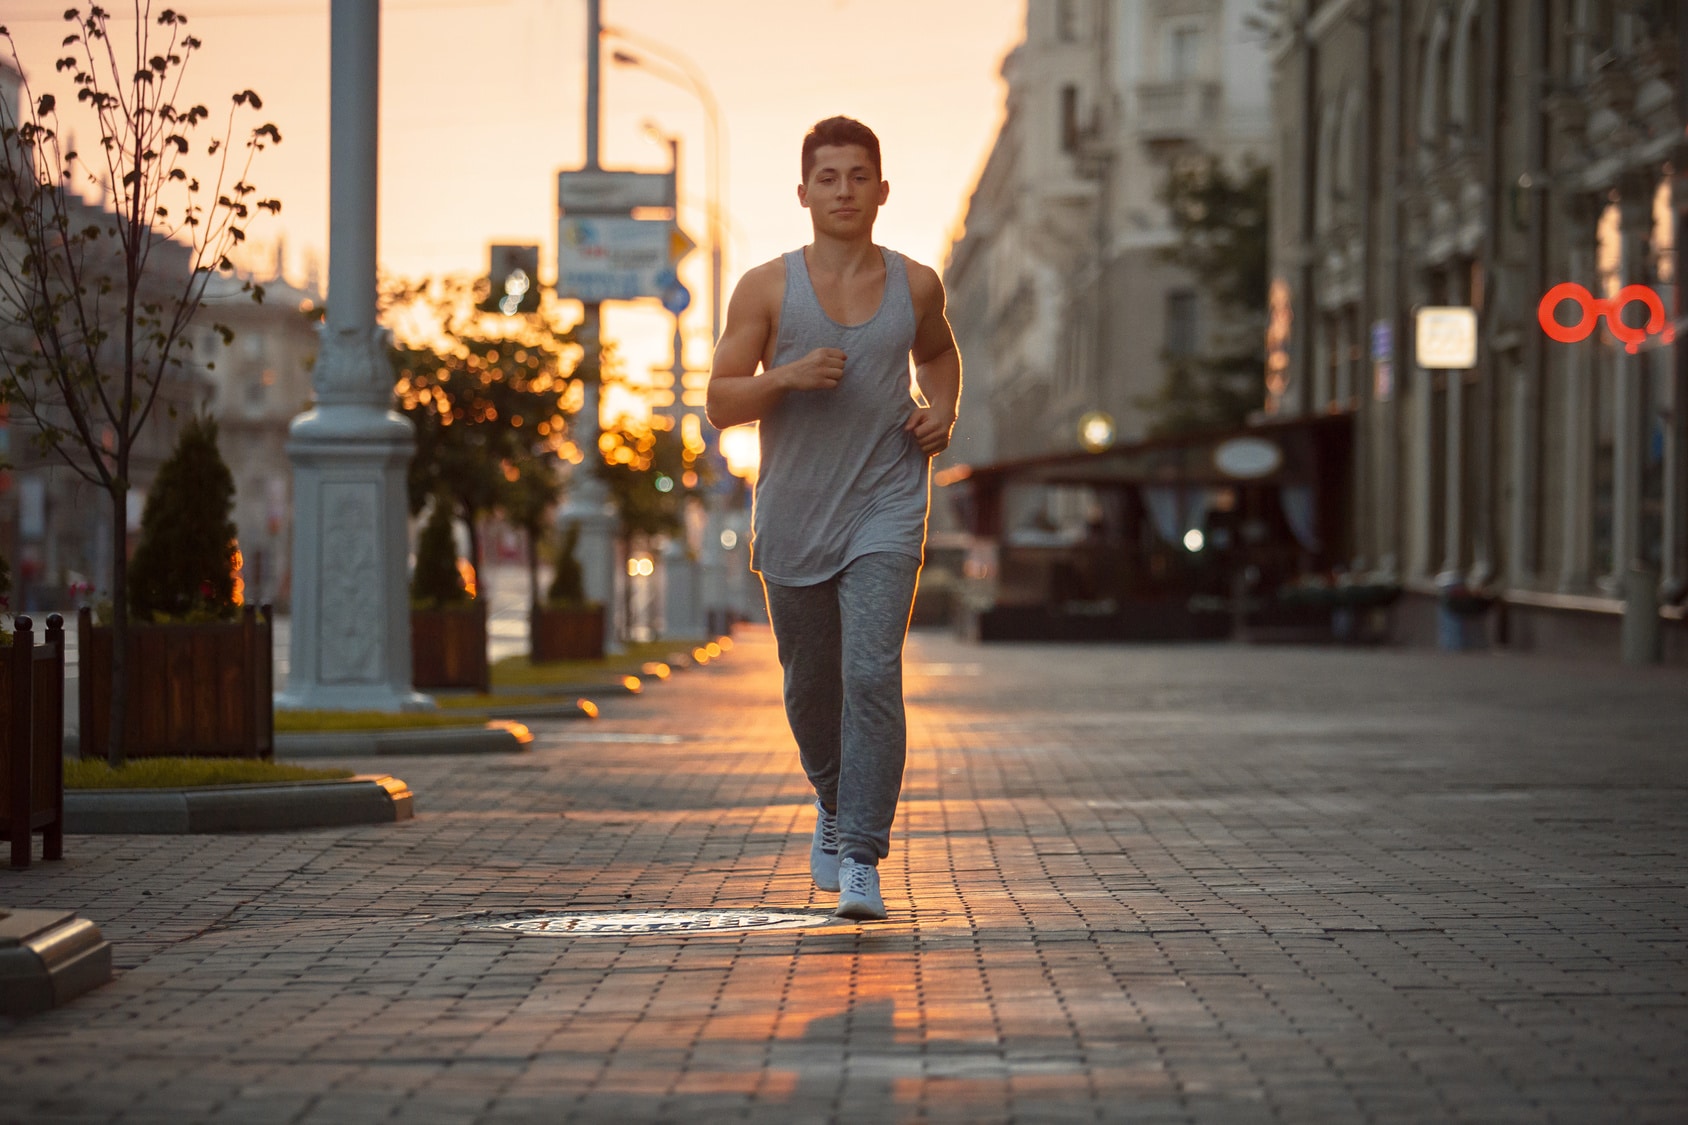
(482, 104)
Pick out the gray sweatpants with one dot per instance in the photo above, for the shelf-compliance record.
(841, 645)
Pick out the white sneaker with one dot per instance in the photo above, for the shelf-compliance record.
(823, 851)
(859, 891)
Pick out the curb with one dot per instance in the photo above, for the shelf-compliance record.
(48, 958)
(262, 807)
(493, 738)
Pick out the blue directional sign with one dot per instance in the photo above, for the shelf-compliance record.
(676, 298)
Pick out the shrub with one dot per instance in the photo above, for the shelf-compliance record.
(436, 581)
(184, 566)
(568, 590)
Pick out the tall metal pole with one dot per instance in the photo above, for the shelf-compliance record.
(588, 505)
(350, 645)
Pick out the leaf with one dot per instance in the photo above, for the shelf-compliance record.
(45, 105)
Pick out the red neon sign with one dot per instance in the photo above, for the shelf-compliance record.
(1593, 308)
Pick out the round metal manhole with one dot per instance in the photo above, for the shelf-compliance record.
(559, 923)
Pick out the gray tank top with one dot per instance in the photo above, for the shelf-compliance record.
(840, 478)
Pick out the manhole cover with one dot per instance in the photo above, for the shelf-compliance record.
(557, 923)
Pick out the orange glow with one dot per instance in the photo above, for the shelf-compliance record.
(467, 572)
(714, 649)
(587, 708)
(237, 566)
(742, 447)
(520, 730)
(701, 655)
(656, 668)
(726, 644)
(633, 684)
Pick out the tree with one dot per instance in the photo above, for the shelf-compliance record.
(1220, 217)
(185, 563)
(106, 295)
(568, 582)
(531, 490)
(488, 397)
(436, 581)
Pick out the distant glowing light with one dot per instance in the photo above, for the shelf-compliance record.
(742, 447)
(664, 483)
(1096, 431)
(729, 539)
(1194, 540)
(1593, 308)
(640, 567)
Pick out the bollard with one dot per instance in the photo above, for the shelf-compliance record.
(1641, 615)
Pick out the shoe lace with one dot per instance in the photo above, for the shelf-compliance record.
(858, 878)
(829, 831)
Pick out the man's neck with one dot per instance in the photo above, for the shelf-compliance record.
(840, 255)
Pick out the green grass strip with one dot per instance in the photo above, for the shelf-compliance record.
(323, 722)
(519, 671)
(182, 773)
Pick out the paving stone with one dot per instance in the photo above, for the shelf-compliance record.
(1156, 884)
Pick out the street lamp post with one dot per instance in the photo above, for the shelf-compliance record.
(681, 72)
(719, 599)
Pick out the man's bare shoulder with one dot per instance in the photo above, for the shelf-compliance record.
(764, 282)
(924, 285)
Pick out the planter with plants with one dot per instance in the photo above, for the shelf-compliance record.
(199, 662)
(31, 734)
(447, 624)
(566, 626)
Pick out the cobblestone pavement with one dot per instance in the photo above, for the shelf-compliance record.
(1154, 884)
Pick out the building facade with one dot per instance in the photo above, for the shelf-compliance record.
(1477, 154)
(1062, 299)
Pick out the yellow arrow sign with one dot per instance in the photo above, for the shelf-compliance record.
(679, 243)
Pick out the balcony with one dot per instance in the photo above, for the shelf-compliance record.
(1180, 110)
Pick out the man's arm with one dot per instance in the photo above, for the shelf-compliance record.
(937, 364)
(737, 394)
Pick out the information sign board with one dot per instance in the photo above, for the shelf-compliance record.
(1446, 337)
(612, 259)
(601, 192)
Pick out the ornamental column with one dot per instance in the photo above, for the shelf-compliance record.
(349, 452)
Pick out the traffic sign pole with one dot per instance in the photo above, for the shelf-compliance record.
(588, 506)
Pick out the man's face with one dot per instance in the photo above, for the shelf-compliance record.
(843, 191)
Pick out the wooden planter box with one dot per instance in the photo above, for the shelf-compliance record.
(32, 740)
(204, 690)
(565, 634)
(448, 647)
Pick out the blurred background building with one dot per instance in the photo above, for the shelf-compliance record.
(1062, 302)
(1476, 154)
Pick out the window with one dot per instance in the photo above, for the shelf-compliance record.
(1183, 329)
(1067, 28)
(1183, 53)
(1069, 118)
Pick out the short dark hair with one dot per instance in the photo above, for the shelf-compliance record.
(839, 131)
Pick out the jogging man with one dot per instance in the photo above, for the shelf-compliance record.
(839, 524)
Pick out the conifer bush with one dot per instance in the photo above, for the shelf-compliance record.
(436, 581)
(184, 566)
(568, 590)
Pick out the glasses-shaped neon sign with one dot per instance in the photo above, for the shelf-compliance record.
(1593, 308)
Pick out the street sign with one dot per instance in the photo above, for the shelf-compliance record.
(676, 297)
(1446, 337)
(599, 192)
(679, 243)
(612, 258)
